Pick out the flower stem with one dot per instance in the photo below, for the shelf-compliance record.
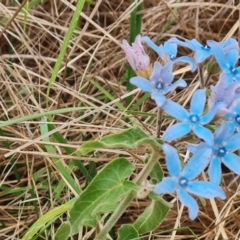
(127, 200)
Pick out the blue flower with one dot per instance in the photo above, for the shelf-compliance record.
(190, 121)
(168, 52)
(226, 54)
(160, 82)
(201, 52)
(225, 142)
(224, 93)
(182, 181)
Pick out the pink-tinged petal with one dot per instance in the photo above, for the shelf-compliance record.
(217, 94)
(129, 54)
(198, 102)
(204, 133)
(172, 160)
(215, 170)
(177, 130)
(189, 202)
(205, 189)
(232, 161)
(197, 163)
(136, 55)
(142, 83)
(167, 185)
(175, 110)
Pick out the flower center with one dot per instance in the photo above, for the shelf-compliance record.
(183, 182)
(172, 57)
(220, 152)
(234, 71)
(159, 86)
(194, 119)
(237, 119)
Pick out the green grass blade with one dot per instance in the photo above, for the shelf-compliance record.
(63, 50)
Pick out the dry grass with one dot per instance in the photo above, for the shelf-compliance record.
(29, 50)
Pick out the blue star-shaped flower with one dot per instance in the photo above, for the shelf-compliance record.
(225, 142)
(182, 181)
(168, 52)
(226, 54)
(190, 121)
(160, 82)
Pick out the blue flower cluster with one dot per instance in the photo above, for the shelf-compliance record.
(224, 102)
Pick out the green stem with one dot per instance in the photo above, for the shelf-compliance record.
(127, 200)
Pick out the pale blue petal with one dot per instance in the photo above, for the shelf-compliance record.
(175, 131)
(181, 43)
(232, 161)
(229, 77)
(211, 114)
(198, 102)
(201, 52)
(231, 57)
(178, 83)
(170, 49)
(218, 53)
(205, 189)
(142, 83)
(152, 45)
(159, 98)
(175, 110)
(172, 160)
(156, 74)
(189, 202)
(233, 143)
(204, 133)
(222, 133)
(185, 59)
(193, 148)
(215, 170)
(167, 185)
(166, 73)
(197, 163)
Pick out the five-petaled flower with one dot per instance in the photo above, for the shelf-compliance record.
(159, 82)
(226, 54)
(190, 121)
(182, 181)
(225, 142)
(137, 58)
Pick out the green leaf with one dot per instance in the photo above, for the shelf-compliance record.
(130, 138)
(152, 217)
(63, 231)
(127, 232)
(104, 191)
(156, 174)
(41, 223)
